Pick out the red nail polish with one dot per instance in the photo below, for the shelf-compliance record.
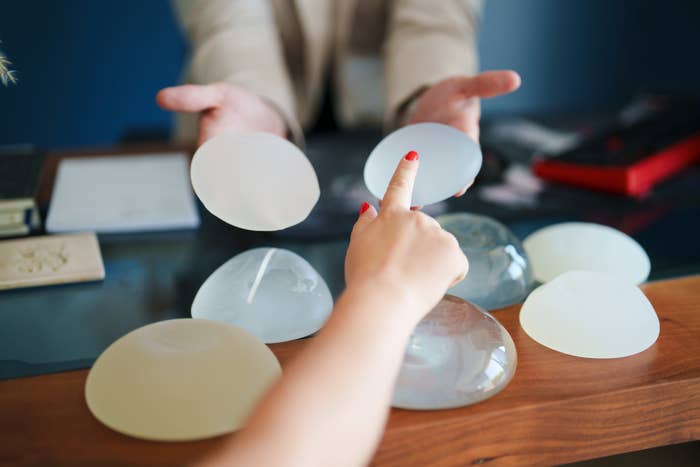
(411, 156)
(364, 208)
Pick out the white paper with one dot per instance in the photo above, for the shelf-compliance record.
(449, 160)
(535, 136)
(122, 194)
(570, 246)
(254, 181)
(590, 314)
(180, 380)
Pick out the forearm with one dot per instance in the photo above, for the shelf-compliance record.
(331, 404)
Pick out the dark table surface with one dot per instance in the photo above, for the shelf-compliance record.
(155, 276)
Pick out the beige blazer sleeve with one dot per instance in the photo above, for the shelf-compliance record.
(426, 42)
(237, 41)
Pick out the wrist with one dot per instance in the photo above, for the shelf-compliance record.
(291, 129)
(276, 121)
(386, 303)
(404, 114)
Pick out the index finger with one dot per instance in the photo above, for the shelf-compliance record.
(400, 190)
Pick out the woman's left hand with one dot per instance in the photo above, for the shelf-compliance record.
(456, 101)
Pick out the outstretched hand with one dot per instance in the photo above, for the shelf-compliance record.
(456, 101)
(223, 107)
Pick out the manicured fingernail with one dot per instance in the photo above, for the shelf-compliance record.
(364, 208)
(411, 156)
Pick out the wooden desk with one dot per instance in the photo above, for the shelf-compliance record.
(557, 409)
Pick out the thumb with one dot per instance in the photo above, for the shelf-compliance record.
(367, 215)
(190, 97)
(489, 83)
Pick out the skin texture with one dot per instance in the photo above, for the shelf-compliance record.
(331, 404)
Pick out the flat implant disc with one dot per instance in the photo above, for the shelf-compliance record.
(449, 160)
(254, 181)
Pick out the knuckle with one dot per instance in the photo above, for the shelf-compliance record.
(450, 240)
(454, 250)
(355, 230)
(400, 182)
(389, 211)
(423, 219)
(418, 219)
(460, 266)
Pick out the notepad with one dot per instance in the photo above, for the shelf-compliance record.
(122, 194)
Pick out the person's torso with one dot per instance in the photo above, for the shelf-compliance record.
(340, 39)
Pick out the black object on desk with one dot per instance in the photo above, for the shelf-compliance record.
(20, 173)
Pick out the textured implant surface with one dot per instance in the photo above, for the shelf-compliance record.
(274, 294)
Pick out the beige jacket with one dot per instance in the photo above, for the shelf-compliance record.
(380, 53)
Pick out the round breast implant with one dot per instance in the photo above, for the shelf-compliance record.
(272, 293)
(180, 380)
(499, 269)
(458, 355)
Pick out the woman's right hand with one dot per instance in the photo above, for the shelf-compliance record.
(402, 251)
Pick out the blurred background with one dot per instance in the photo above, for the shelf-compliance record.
(89, 71)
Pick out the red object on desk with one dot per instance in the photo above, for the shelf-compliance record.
(635, 179)
(648, 141)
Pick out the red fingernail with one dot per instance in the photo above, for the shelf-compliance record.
(363, 208)
(411, 156)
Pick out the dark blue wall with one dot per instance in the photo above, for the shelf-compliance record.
(89, 69)
(590, 55)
